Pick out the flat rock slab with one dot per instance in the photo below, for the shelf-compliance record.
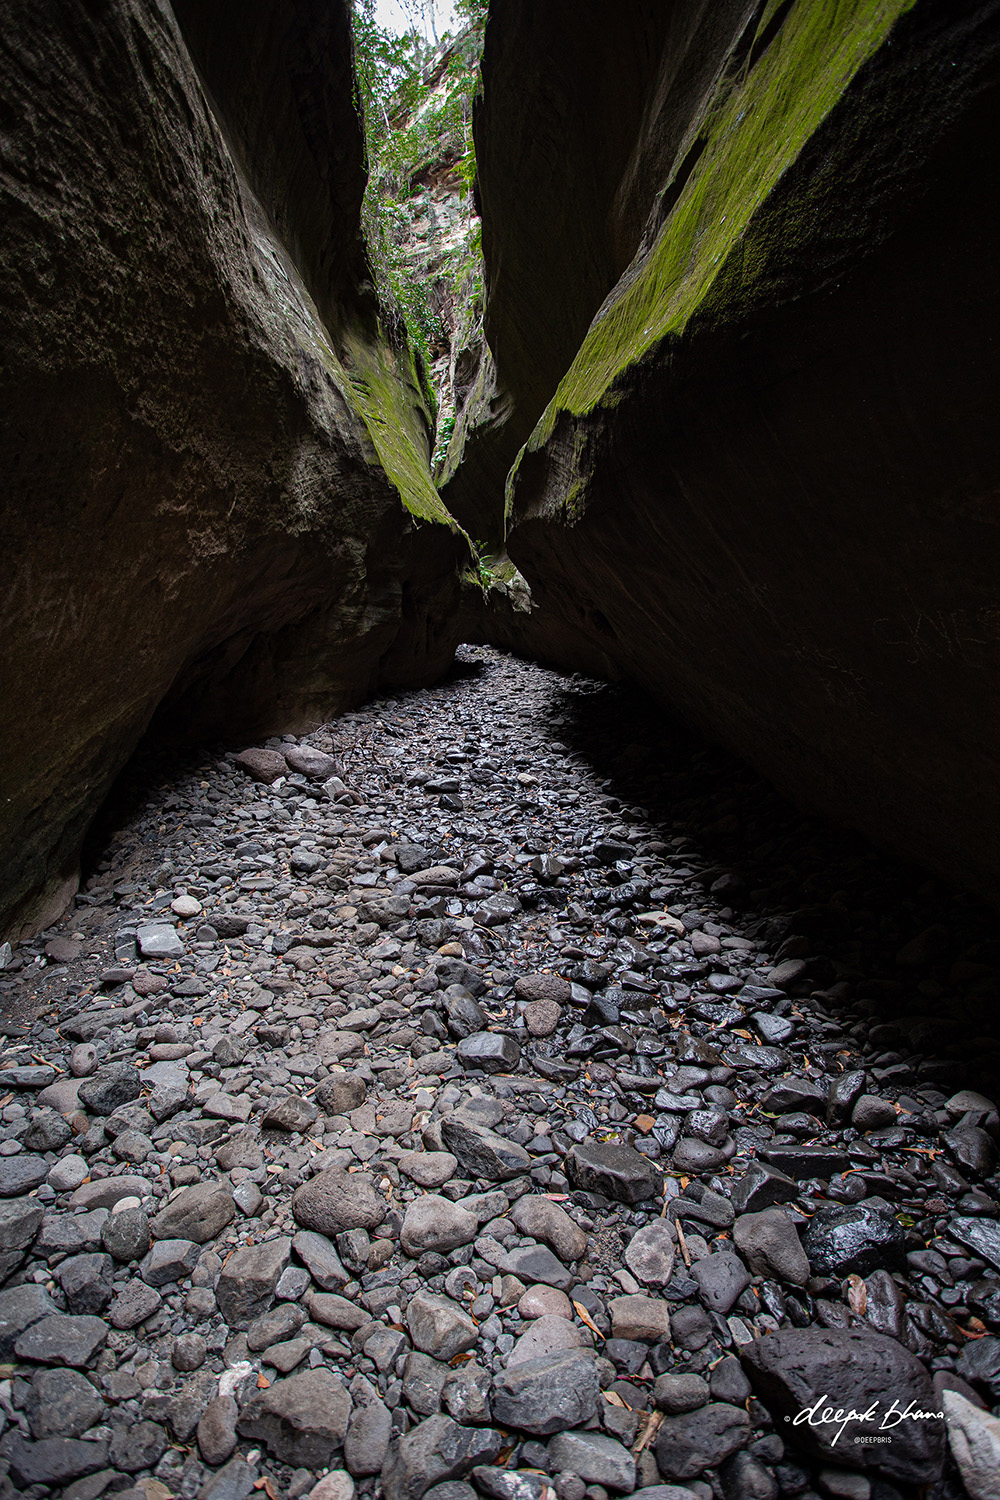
(618, 1172)
(546, 1395)
(433, 1452)
(62, 1339)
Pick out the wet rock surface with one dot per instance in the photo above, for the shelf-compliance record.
(270, 1216)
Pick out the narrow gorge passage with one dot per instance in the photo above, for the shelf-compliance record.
(382, 1077)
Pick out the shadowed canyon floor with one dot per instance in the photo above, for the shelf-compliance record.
(495, 1091)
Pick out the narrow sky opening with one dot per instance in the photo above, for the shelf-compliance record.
(428, 16)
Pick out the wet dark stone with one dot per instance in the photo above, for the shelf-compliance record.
(845, 1091)
(850, 1369)
(861, 1238)
(971, 1148)
(807, 1161)
(981, 1236)
(762, 1186)
(618, 1172)
(979, 1363)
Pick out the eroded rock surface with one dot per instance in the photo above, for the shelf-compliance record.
(743, 491)
(206, 438)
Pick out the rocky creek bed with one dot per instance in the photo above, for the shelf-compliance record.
(496, 1093)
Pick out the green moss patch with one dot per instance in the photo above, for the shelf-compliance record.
(758, 123)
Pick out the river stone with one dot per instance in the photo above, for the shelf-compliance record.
(595, 1458)
(545, 1220)
(436, 1450)
(301, 1421)
(336, 1200)
(537, 1263)
(86, 1281)
(618, 1172)
(722, 1278)
(19, 1174)
(546, 1395)
(340, 1093)
(701, 1439)
(133, 1304)
(435, 1223)
(543, 1302)
(543, 987)
(197, 1213)
(870, 1112)
(863, 1237)
(105, 1192)
(972, 1148)
(542, 1017)
(645, 1319)
(762, 1186)
(481, 1152)
(769, 1243)
(66, 1175)
(262, 765)
(549, 1334)
(168, 1260)
(317, 1252)
(54, 1461)
(20, 1221)
(62, 1339)
(336, 1312)
(47, 1131)
(981, 1236)
(159, 940)
(246, 1287)
(428, 1169)
(62, 1403)
(367, 1442)
(138, 1445)
(676, 1394)
(315, 764)
(125, 1235)
(849, 1368)
(217, 1436)
(490, 1051)
(20, 1307)
(649, 1254)
(290, 1113)
(438, 1326)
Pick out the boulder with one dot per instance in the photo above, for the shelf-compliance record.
(831, 1369)
(301, 1421)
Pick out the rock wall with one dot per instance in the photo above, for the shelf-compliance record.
(217, 499)
(582, 112)
(765, 485)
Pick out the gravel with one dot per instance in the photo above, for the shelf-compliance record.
(360, 1128)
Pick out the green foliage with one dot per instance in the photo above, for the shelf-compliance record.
(444, 435)
(416, 101)
(483, 559)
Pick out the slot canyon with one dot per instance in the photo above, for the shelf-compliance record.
(499, 962)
